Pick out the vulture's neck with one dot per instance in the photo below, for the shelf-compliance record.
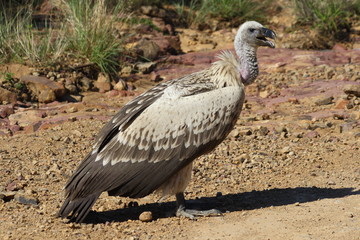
(248, 66)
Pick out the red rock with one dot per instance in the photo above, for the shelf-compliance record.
(15, 128)
(33, 127)
(12, 186)
(103, 83)
(312, 134)
(339, 47)
(112, 93)
(155, 77)
(293, 100)
(43, 88)
(103, 86)
(7, 96)
(6, 110)
(341, 104)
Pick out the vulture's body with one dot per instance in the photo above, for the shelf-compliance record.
(151, 142)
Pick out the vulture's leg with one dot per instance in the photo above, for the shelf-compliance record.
(191, 213)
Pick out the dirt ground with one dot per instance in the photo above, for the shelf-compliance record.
(289, 170)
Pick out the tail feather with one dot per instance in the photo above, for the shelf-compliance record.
(78, 207)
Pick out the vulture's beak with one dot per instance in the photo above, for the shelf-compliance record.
(265, 33)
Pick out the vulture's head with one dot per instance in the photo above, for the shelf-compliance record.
(255, 34)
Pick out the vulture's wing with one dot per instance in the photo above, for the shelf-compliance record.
(150, 139)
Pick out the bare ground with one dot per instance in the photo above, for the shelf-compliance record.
(289, 170)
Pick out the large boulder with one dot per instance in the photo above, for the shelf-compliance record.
(43, 88)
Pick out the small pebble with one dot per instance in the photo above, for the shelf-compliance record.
(146, 216)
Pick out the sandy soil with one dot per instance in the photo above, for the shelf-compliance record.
(289, 170)
(282, 176)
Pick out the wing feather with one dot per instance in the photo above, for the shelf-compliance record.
(135, 164)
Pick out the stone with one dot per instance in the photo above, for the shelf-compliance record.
(146, 67)
(6, 110)
(85, 84)
(7, 96)
(103, 83)
(352, 89)
(43, 88)
(120, 85)
(146, 216)
(24, 118)
(341, 103)
(26, 200)
(323, 100)
(126, 70)
(155, 77)
(312, 134)
(264, 94)
(7, 195)
(169, 44)
(148, 49)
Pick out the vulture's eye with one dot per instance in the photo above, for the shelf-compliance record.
(251, 30)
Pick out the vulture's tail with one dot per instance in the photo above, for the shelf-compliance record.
(79, 207)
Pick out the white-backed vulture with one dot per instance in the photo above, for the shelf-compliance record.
(151, 142)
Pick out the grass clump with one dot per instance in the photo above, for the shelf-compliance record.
(234, 12)
(92, 32)
(20, 41)
(331, 18)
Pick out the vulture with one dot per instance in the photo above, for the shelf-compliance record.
(151, 142)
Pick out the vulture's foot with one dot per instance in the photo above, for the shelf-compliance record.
(192, 213)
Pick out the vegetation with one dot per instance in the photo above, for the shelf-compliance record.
(92, 32)
(235, 12)
(88, 29)
(87, 32)
(330, 17)
(19, 40)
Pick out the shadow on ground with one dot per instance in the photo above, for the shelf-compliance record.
(226, 203)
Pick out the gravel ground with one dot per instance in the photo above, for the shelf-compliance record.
(289, 170)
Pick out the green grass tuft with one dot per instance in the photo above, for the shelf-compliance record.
(92, 32)
(330, 17)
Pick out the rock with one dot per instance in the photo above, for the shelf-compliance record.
(24, 118)
(7, 96)
(153, 11)
(43, 88)
(6, 110)
(71, 88)
(120, 85)
(341, 103)
(26, 200)
(146, 216)
(127, 70)
(263, 131)
(169, 44)
(312, 134)
(264, 94)
(7, 195)
(285, 150)
(323, 100)
(71, 110)
(352, 89)
(103, 83)
(148, 49)
(146, 67)
(155, 77)
(12, 186)
(85, 84)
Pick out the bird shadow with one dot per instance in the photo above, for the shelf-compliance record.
(225, 203)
